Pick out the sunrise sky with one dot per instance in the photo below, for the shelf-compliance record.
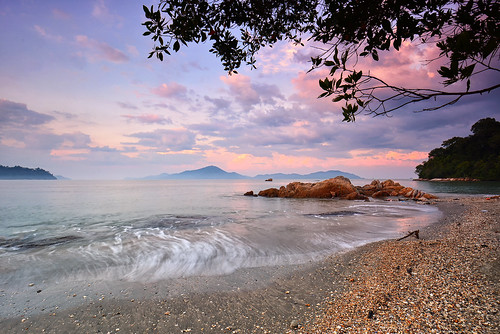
(79, 98)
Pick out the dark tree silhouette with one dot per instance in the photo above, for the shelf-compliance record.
(467, 34)
(476, 156)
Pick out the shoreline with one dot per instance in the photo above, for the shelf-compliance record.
(318, 297)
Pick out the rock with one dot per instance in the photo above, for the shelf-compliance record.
(271, 192)
(294, 324)
(248, 193)
(381, 193)
(339, 186)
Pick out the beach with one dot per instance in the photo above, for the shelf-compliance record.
(446, 281)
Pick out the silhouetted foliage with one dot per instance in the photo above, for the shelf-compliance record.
(466, 32)
(23, 173)
(476, 156)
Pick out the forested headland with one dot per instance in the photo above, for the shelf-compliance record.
(23, 173)
(476, 156)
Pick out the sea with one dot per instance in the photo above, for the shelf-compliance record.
(64, 236)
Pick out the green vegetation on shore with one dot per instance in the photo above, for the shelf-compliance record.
(23, 173)
(476, 156)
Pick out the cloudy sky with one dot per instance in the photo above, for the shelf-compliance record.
(79, 98)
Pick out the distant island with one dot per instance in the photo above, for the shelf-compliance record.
(23, 173)
(216, 173)
(474, 157)
(311, 176)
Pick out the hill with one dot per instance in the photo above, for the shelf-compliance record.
(213, 172)
(311, 176)
(206, 173)
(23, 173)
(476, 156)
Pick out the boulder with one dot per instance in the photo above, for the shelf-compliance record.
(381, 193)
(341, 187)
(271, 192)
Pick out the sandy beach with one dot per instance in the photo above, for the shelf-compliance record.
(446, 281)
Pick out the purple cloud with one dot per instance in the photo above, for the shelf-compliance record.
(148, 119)
(166, 139)
(100, 50)
(13, 114)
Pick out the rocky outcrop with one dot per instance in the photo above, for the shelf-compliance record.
(387, 188)
(341, 187)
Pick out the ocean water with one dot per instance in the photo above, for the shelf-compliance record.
(152, 230)
(69, 233)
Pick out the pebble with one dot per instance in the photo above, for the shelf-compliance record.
(449, 295)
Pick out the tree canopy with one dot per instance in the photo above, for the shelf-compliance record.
(476, 156)
(467, 34)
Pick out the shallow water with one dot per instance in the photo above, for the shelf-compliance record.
(151, 230)
(66, 232)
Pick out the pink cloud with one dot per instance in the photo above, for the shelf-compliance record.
(42, 32)
(149, 119)
(70, 154)
(241, 88)
(170, 90)
(100, 50)
(60, 14)
(385, 163)
(101, 12)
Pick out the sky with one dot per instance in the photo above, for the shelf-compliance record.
(80, 98)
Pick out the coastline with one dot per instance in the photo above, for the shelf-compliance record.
(447, 281)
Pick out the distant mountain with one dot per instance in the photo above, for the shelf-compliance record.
(23, 173)
(60, 177)
(312, 176)
(206, 173)
(213, 173)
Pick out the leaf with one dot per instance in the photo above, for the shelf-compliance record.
(467, 71)
(397, 43)
(335, 56)
(324, 84)
(386, 24)
(344, 57)
(375, 55)
(338, 98)
(176, 46)
(147, 13)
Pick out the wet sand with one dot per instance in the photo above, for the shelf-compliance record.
(448, 281)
